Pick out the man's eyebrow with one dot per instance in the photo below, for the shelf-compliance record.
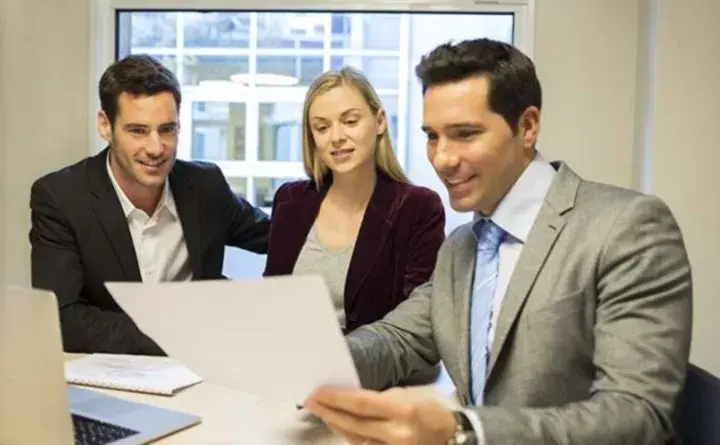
(456, 126)
(464, 125)
(138, 125)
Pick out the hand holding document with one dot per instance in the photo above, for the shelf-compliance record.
(275, 337)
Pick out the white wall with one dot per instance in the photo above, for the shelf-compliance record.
(44, 69)
(3, 49)
(685, 153)
(593, 73)
(586, 54)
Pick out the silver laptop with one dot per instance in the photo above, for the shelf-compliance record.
(37, 406)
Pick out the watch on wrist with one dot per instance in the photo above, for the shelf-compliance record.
(464, 431)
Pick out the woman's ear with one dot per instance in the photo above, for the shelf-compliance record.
(381, 121)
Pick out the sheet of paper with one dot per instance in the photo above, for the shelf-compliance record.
(276, 337)
(155, 375)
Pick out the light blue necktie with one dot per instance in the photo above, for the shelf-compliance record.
(489, 237)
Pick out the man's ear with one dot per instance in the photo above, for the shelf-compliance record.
(104, 126)
(529, 127)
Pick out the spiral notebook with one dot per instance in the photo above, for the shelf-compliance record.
(151, 375)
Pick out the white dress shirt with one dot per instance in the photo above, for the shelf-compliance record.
(158, 239)
(516, 215)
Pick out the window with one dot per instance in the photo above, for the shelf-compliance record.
(244, 75)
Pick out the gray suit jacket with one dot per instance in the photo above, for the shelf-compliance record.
(593, 336)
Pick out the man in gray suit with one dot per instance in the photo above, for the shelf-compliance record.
(562, 314)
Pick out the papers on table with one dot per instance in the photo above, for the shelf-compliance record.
(152, 375)
(276, 337)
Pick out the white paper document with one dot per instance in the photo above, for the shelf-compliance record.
(275, 337)
(153, 375)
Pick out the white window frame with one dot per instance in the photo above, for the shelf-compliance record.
(103, 26)
(103, 35)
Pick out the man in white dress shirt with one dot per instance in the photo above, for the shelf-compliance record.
(132, 213)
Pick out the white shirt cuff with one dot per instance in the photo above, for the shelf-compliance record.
(476, 424)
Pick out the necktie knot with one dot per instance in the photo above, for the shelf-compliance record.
(489, 235)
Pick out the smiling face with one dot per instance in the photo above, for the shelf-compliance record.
(143, 140)
(473, 149)
(344, 129)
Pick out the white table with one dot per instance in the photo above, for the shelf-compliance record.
(235, 417)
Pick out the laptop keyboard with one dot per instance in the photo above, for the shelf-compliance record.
(94, 432)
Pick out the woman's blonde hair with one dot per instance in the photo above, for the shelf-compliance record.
(385, 159)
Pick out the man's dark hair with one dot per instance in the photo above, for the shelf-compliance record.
(137, 74)
(513, 83)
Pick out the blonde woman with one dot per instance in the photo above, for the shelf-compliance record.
(357, 221)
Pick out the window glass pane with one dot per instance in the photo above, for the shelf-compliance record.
(383, 72)
(290, 30)
(152, 29)
(218, 131)
(300, 69)
(359, 31)
(199, 68)
(280, 132)
(170, 62)
(216, 29)
(238, 186)
(265, 189)
(215, 46)
(390, 103)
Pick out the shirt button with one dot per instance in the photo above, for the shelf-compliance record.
(353, 317)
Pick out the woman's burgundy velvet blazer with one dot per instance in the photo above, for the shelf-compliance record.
(395, 251)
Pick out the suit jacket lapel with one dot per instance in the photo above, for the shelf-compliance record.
(187, 201)
(294, 220)
(109, 212)
(543, 234)
(371, 238)
(463, 271)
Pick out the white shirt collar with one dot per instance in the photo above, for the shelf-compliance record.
(517, 211)
(167, 202)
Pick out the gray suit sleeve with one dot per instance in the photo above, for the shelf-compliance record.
(389, 351)
(642, 340)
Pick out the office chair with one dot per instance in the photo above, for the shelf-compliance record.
(698, 410)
